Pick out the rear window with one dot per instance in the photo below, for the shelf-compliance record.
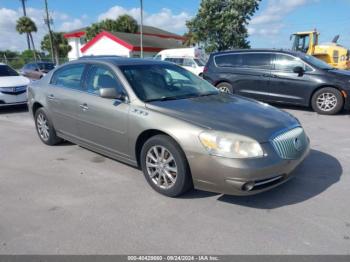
(69, 76)
(246, 60)
(5, 70)
(46, 66)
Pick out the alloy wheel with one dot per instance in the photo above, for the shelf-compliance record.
(161, 167)
(224, 89)
(326, 101)
(43, 127)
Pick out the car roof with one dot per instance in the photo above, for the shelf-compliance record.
(262, 50)
(119, 61)
(39, 62)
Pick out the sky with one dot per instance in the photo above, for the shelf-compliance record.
(270, 26)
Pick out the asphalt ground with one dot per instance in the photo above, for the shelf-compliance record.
(68, 200)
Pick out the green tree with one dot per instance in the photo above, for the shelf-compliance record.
(25, 25)
(221, 24)
(123, 23)
(127, 24)
(59, 43)
(93, 30)
(191, 39)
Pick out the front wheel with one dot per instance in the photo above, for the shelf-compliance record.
(327, 101)
(165, 167)
(45, 129)
(225, 87)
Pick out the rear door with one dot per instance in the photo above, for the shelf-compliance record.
(287, 86)
(62, 98)
(248, 73)
(103, 122)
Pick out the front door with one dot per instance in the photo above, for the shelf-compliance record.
(102, 122)
(287, 86)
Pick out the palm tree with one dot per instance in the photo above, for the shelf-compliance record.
(25, 14)
(25, 25)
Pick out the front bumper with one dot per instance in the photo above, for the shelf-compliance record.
(13, 99)
(347, 100)
(231, 176)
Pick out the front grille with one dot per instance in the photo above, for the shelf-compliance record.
(13, 90)
(291, 144)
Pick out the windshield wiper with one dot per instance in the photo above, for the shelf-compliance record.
(209, 94)
(167, 98)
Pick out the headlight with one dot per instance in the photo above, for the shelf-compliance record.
(230, 145)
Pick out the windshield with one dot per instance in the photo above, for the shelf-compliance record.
(317, 62)
(199, 62)
(7, 71)
(165, 82)
(46, 66)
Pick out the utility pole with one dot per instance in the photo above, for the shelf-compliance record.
(141, 29)
(25, 14)
(48, 22)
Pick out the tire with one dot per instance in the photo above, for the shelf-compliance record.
(327, 101)
(171, 179)
(42, 123)
(225, 87)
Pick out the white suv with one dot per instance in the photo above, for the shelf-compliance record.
(13, 87)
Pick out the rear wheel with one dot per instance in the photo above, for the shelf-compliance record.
(165, 167)
(327, 101)
(225, 87)
(45, 129)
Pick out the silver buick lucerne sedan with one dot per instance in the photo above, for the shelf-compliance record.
(178, 128)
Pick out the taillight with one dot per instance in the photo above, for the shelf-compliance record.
(205, 70)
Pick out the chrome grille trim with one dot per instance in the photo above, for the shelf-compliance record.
(290, 144)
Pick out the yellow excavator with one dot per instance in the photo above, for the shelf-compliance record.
(332, 53)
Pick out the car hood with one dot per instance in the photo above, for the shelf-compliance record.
(230, 114)
(12, 81)
(340, 73)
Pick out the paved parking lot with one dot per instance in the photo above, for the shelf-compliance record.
(68, 200)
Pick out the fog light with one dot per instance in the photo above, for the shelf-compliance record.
(248, 186)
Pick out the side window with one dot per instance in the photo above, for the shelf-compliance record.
(158, 57)
(31, 66)
(189, 62)
(179, 61)
(229, 60)
(169, 60)
(287, 63)
(69, 76)
(257, 60)
(101, 77)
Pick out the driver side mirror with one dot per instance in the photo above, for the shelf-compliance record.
(111, 93)
(299, 70)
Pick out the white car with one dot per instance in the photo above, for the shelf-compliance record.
(13, 87)
(194, 65)
(193, 59)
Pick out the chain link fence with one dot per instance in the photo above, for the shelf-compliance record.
(18, 62)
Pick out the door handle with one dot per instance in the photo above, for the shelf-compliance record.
(51, 97)
(265, 75)
(84, 106)
(274, 76)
